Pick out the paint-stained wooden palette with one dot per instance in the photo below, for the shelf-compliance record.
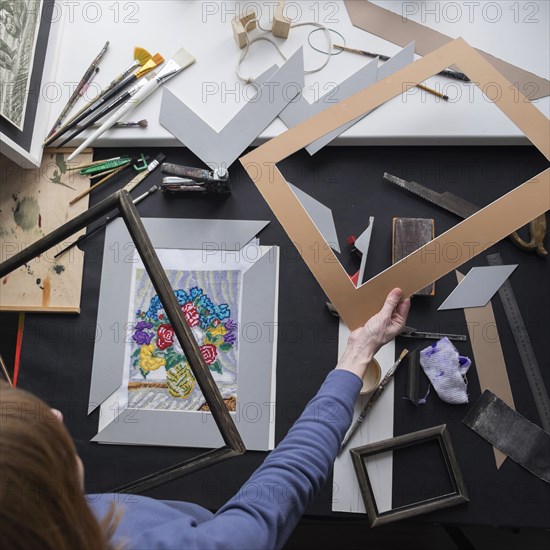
(32, 204)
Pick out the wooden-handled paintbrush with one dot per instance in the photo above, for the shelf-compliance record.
(100, 102)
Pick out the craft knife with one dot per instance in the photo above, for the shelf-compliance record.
(464, 209)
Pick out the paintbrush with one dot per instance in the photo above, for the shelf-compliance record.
(116, 104)
(108, 176)
(447, 72)
(177, 64)
(90, 71)
(374, 398)
(154, 62)
(104, 223)
(141, 56)
(385, 58)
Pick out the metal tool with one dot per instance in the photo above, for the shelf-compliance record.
(525, 349)
(188, 179)
(374, 398)
(410, 332)
(464, 209)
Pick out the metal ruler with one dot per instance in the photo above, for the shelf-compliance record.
(525, 349)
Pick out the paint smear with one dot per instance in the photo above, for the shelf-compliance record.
(46, 292)
(60, 171)
(26, 213)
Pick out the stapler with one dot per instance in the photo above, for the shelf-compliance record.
(187, 179)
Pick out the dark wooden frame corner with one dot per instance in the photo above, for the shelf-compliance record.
(441, 434)
(122, 202)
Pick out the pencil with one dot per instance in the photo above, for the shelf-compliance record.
(432, 91)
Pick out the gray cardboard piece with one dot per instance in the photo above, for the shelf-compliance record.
(300, 110)
(255, 414)
(221, 149)
(108, 361)
(321, 216)
(517, 437)
(478, 287)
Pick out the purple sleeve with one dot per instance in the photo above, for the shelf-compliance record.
(265, 511)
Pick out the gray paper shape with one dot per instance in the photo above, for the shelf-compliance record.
(114, 294)
(255, 415)
(362, 244)
(278, 87)
(300, 109)
(478, 287)
(321, 216)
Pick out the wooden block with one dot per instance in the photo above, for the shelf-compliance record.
(281, 23)
(409, 234)
(241, 26)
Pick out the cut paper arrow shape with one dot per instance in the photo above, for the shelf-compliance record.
(362, 243)
(276, 88)
(478, 287)
(321, 216)
(300, 109)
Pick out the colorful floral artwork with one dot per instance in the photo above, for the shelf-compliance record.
(160, 375)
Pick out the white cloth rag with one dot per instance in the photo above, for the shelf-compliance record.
(446, 370)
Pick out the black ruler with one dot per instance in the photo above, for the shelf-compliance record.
(525, 348)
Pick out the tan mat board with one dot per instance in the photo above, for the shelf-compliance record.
(488, 357)
(32, 204)
(429, 263)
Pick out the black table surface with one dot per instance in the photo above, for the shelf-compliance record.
(58, 349)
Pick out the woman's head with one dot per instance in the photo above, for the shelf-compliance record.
(42, 503)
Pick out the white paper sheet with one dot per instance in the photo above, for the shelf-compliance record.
(346, 495)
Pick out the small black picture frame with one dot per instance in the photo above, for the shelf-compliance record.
(439, 433)
(122, 202)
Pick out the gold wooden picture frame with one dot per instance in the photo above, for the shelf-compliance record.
(426, 265)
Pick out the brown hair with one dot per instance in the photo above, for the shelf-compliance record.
(42, 503)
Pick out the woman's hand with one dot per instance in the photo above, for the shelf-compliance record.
(364, 342)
